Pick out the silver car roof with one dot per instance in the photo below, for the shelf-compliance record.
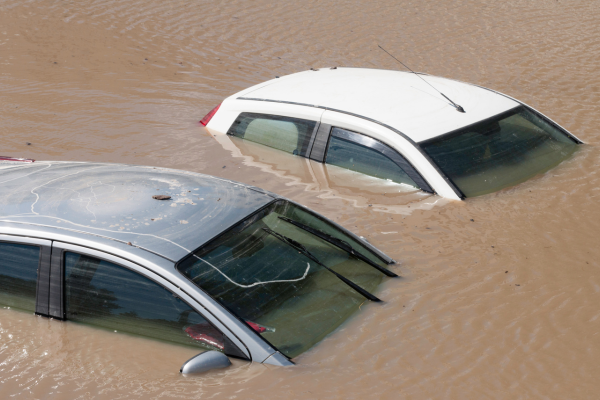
(115, 201)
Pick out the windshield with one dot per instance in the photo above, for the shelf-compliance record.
(283, 294)
(500, 152)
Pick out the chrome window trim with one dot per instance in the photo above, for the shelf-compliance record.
(382, 148)
(18, 239)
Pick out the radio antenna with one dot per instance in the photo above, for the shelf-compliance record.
(458, 108)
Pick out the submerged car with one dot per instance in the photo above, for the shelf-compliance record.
(178, 256)
(439, 135)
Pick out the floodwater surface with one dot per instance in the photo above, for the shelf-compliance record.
(499, 295)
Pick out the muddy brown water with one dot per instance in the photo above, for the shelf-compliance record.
(499, 295)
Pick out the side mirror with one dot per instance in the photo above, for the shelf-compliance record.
(205, 362)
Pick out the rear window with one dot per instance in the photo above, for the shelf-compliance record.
(500, 152)
(291, 135)
(289, 299)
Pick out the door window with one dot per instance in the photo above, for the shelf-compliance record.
(18, 275)
(284, 133)
(109, 296)
(363, 154)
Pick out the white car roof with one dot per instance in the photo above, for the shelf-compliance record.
(399, 99)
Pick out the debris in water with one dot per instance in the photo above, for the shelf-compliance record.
(129, 243)
(506, 272)
(472, 220)
(28, 144)
(161, 197)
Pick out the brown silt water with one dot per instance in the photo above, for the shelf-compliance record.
(499, 295)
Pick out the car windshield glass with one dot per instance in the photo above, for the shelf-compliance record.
(289, 299)
(500, 152)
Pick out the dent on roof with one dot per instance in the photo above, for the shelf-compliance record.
(116, 201)
(395, 98)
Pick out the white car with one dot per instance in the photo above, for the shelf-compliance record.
(443, 136)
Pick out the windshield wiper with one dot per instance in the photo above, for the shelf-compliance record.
(300, 247)
(339, 243)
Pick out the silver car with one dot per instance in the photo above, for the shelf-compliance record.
(179, 256)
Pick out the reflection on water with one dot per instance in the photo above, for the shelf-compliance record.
(499, 294)
(330, 181)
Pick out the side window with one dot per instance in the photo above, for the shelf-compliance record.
(109, 296)
(18, 275)
(292, 135)
(363, 154)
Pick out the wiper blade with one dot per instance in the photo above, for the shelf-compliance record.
(339, 243)
(300, 247)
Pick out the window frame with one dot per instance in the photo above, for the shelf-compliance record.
(369, 142)
(41, 293)
(58, 260)
(276, 117)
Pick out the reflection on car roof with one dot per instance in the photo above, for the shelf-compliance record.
(116, 201)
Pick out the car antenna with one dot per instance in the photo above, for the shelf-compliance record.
(458, 108)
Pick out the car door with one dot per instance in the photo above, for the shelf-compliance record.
(373, 148)
(107, 292)
(362, 153)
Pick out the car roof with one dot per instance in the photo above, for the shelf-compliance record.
(399, 99)
(115, 201)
